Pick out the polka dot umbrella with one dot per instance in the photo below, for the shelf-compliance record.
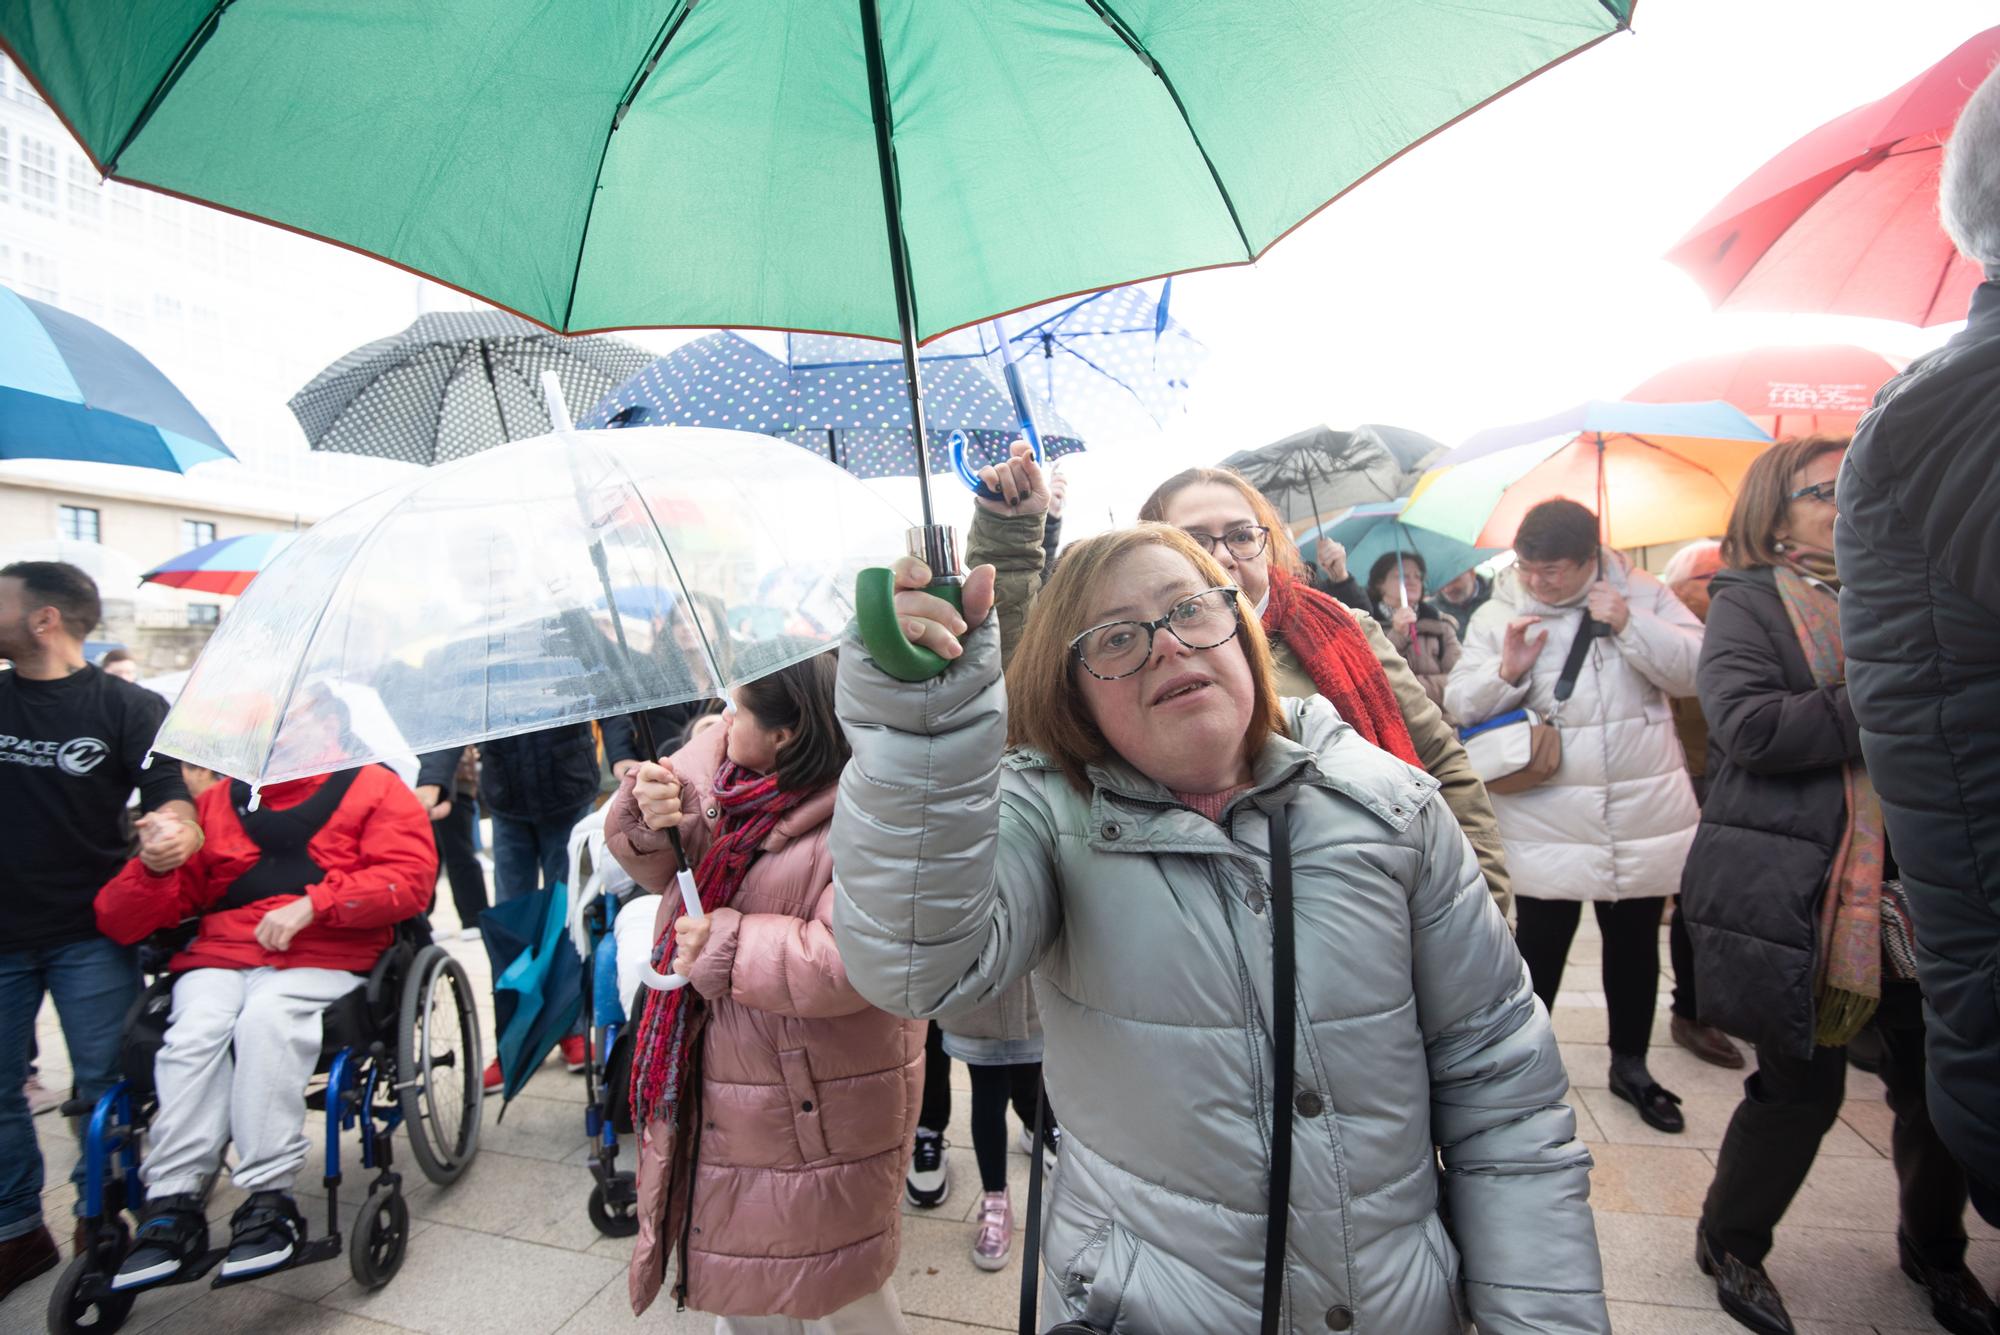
(842, 398)
(452, 384)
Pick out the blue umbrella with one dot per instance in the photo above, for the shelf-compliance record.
(1369, 530)
(69, 390)
(537, 980)
(837, 397)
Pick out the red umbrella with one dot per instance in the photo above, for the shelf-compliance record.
(1844, 222)
(1787, 391)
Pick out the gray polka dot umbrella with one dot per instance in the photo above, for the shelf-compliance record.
(452, 384)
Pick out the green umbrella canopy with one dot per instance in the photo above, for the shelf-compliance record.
(620, 163)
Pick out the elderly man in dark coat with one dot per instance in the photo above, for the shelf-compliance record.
(1919, 551)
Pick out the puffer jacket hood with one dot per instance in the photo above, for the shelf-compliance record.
(809, 1094)
(1147, 929)
(1918, 537)
(1616, 819)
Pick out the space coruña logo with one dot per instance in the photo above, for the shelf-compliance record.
(78, 756)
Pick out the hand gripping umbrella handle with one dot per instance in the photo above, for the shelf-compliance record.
(875, 606)
(691, 901)
(960, 444)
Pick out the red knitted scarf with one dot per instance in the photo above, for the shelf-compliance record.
(751, 805)
(1336, 656)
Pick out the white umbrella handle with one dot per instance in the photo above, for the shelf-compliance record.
(691, 901)
(552, 399)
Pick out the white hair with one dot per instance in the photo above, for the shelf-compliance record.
(1969, 186)
(1681, 565)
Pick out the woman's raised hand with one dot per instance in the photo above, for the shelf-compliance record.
(658, 795)
(1020, 479)
(929, 620)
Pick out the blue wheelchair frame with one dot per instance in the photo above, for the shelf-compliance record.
(352, 1087)
(614, 1195)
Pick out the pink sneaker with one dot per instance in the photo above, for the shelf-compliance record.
(995, 1239)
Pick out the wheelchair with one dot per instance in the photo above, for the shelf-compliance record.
(401, 1050)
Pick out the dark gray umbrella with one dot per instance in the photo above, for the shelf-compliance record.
(1315, 474)
(455, 383)
(1413, 451)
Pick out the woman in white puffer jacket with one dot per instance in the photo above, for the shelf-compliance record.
(1614, 823)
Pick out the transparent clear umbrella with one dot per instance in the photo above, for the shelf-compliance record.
(569, 577)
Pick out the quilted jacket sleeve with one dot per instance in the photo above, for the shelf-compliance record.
(945, 887)
(778, 963)
(1476, 691)
(1517, 1180)
(1661, 639)
(1754, 715)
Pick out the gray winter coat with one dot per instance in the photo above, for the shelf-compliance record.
(1147, 929)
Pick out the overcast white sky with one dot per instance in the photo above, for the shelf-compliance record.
(1505, 269)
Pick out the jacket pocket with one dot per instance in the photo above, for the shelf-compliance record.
(1106, 1293)
(804, 1095)
(1444, 1255)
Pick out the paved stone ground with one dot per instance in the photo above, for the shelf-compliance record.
(509, 1247)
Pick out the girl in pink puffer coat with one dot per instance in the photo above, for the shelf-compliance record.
(768, 1085)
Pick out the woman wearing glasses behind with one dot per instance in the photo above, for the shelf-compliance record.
(1141, 823)
(1801, 936)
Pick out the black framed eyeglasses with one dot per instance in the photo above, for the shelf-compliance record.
(1199, 621)
(1245, 544)
(1819, 491)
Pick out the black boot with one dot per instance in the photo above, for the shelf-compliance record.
(173, 1233)
(1958, 1303)
(1744, 1290)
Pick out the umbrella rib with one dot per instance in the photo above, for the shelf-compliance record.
(659, 50)
(196, 40)
(1651, 445)
(1117, 25)
(687, 593)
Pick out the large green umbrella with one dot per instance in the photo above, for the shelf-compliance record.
(887, 168)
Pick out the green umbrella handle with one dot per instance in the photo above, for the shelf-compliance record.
(875, 606)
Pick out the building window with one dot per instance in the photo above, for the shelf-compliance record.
(78, 523)
(38, 276)
(38, 175)
(196, 533)
(6, 166)
(86, 205)
(204, 614)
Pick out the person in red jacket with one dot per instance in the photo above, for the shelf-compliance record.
(297, 901)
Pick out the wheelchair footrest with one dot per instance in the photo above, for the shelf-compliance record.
(310, 1252)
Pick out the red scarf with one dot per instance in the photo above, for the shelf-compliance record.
(750, 806)
(1335, 654)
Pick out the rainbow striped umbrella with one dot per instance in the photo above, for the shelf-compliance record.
(226, 565)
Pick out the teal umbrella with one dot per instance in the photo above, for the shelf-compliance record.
(888, 168)
(1368, 531)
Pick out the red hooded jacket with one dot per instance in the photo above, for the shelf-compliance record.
(380, 861)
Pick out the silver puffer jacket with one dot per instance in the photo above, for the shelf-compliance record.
(1148, 931)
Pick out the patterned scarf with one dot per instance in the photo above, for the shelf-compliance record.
(1335, 654)
(1849, 985)
(750, 806)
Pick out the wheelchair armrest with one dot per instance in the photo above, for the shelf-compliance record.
(163, 945)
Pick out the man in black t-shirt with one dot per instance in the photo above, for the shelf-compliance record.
(73, 744)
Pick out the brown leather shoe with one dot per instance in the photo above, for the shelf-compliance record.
(22, 1258)
(1706, 1042)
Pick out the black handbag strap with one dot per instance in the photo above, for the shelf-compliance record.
(1284, 1040)
(1587, 630)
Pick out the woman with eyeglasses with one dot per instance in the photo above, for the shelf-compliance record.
(1322, 647)
(1141, 823)
(1424, 637)
(1801, 936)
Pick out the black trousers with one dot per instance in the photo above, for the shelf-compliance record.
(1680, 953)
(993, 1088)
(934, 1114)
(1788, 1106)
(1631, 929)
(460, 863)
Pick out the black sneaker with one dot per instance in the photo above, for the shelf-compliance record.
(264, 1235)
(929, 1178)
(173, 1233)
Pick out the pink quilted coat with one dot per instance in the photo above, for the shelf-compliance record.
(809, 1093)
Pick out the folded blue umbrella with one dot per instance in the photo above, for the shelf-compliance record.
(537, 981)
(69, 390)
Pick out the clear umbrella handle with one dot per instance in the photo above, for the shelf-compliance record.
(691, 901)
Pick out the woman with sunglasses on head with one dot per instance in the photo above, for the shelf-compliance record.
(1791, 898)
(1137, 820)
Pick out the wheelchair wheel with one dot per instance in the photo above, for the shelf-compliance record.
(615, 1212)
(381, 1234)
(439, 1065)
(72, 1314)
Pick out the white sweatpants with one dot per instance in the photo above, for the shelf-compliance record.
(877, 1314)
(256, 1095)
